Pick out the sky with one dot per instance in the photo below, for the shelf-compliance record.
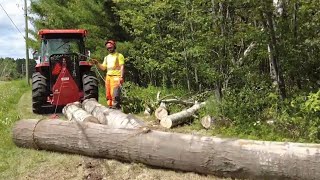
(12, 42)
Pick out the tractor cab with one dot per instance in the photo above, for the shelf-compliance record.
(63, 74)
(62, 42)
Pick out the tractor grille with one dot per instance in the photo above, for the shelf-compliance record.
(72, 62)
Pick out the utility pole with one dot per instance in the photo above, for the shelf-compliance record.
(26, 40)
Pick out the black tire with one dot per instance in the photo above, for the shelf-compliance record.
(90, 85)
(39, 93)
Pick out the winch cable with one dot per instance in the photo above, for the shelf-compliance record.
(94, 66)
(54, 115)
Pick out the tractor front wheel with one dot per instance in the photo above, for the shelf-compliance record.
(90, 85)
(39, 92)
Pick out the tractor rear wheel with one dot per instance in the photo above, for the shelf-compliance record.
(39, 93)
(90, 85)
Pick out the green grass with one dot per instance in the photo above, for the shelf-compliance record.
(19, 163)
(10, 94)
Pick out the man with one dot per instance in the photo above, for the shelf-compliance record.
(114, 64)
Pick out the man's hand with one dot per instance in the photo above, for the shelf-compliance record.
(121, 80)
(94, 61)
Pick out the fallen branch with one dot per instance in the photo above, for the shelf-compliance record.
(179, 118)
(178, 101)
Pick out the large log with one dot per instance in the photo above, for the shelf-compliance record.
(112, 117)
(206, 155)
(180, 117)
(74, 112)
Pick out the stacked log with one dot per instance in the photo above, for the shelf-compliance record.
(74, 112)
(113, 118)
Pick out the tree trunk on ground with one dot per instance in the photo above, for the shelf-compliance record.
(207, 121)
(111, 117)
(206, 155)
(74, 112)
(180, 117)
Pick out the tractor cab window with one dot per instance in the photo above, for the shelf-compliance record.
(60, 46)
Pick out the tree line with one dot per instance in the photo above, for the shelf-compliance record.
(11, 68)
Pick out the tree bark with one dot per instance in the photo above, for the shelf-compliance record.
(112, 117)
(74, 112)
(180, 117)
(234, 158)
(207, 121)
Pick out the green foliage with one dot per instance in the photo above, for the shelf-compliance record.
(136, 98)
(312, 104)
(13, 69)
(257, 114)
(299, 118)
(132, 99)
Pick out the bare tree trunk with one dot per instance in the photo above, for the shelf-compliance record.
(180, 117)
(186, 63)
(218, 90)
(295, 36)
(111, 117)
(275, 71)
(236, 158)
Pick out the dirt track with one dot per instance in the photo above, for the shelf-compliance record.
(64, 166)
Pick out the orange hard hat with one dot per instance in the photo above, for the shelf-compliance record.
(110, 43)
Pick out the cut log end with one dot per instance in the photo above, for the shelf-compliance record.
(161, 113)
(207, 121)
(74, 112)
(166, 122)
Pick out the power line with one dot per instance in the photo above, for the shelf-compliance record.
(12, 21)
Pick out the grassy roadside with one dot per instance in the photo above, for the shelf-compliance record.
(18, 163)
(10, 94)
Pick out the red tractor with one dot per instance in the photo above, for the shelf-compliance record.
(63, 74)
